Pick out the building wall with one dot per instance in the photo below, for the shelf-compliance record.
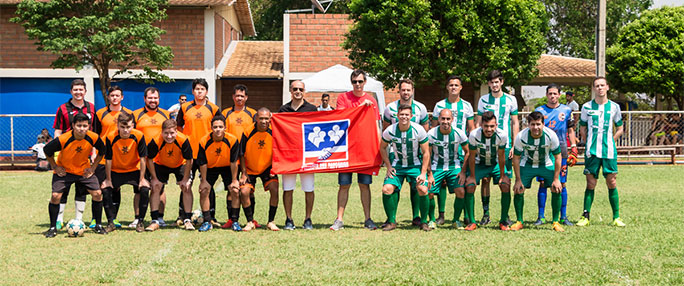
(16, 50)
(261, 93)
(315, 41)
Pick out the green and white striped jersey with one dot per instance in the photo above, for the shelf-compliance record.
(503, 107)
(446, 148)
(420, 114)
(599, 119)
(461, 109)
(485, 148)
(537, 152)
(405, 151)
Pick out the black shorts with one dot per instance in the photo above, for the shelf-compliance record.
(60, 184)
(100, 173)
(224, 172)
(163, 173)
(129, 178)
(266, 178)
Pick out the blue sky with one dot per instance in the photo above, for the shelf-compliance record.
(660, 3)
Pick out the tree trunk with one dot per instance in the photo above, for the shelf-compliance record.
(105, 81)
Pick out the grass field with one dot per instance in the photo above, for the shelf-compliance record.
(648, 251)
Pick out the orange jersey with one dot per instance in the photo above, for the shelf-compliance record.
(257, 148)
(125, 153)
(75, 154)
(218, 153)
(106, 122)
(196, 121)
(238, 121)
(171, 155)
(150, 122)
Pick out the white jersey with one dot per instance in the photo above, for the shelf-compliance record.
(462, 110)
(599, 120)
(446, 148)
(503, 107)
(537, 152)
(420, 114)
(486, 148)
(406, 152)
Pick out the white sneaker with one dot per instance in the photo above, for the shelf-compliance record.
(133, 224)
(161, 222)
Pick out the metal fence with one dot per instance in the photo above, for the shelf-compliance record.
(19, 132)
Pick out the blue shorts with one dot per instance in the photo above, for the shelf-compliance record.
(563, 177)
(346, 179)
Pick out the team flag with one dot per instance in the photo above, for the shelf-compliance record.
(335, 141)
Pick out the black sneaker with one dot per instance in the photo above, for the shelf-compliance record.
(485, 220)
(440, 219)
(307, 224)
(540, 221)
(99, 229)
(416, 221)
(52, 232)
(369, 224)
(566, 221)
(289, 224)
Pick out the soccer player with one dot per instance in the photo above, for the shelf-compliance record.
(325, 103)
(408, 160)
(351, 99)
(125, 147)
(217, 156)
(487, 145)
(298, 104)
(596, 128)
(537, 154)
(462, 119)
(256, 157)
(557, 117)
(73, 166)
(149, 119)
(446, 143)
(169, 153)
(505, 109)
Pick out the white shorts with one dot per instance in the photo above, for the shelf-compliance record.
(306, 180)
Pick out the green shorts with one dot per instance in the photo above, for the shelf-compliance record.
(593, 164)
(527, 174)
(448, 176)
(484, 171)
(401, 174)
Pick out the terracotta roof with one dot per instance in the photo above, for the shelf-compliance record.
(255, 59)
(171, 2)
(244, 13)
(565, 70)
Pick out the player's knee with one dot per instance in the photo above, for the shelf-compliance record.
(96, 194)
(422, 190)
(460, 192)
(611, 181)
(56, 198)
(386, 189)
(345, 188)
(245, 192)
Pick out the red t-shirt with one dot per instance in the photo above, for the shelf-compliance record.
(349, 100)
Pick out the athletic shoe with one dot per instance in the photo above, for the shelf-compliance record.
(425, 227)
(504, 226)
(256, 224)
(180, 222)
(517, 226)
(161, 222)
(60, 224)
(110, 227)
(618, 222)
(370, 224)
(458, 225)
(215, 223)
(289, 224)
(154, 225)
(92, 224)
(51, 232)
(249, 226)
(206, 226)
(272, 226)
(133, 224)
(99, 229)
(117, 223)
(485, 220)
(228, 224)
(471, 227)
(236, 226)
(583, 222)
(187, 224)
(432, 225)
(384, 224)
(440, 219)
(416, 221)
(566, 221)
(140, 227)
(389, 227)
(540, 221)
(307, 224)
(557, 227)
(337, 225)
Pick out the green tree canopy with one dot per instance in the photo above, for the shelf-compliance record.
(116, 34)
(429, 40)
(648, 55)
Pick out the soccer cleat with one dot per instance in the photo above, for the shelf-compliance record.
(236, 226)
(307, 224)
(618, 222)
(187, 225)
(416, 221)
(504, 226)
(140, 227)
(557, 227)
(471, 227)
(583, 222)
(272, 226)
(110, 227)
(517, 226)
(161, 222)
(60, 224)
(389, 227)
(228, 224)
(99, 229)
(52, 232)
(485, 220)
(117, 223)
(206, 226)
(440, 219)
(92, 224)
(256, 224)
(540, 221)
(458, 225)
(425, 227)
(249, 226)
(154, 225)
(337, 225)
(566, 221)
(432, 225)
(180, 222)
(215, 223)
(370, 224)
(133, 224)
(384, 224)
(289, 224)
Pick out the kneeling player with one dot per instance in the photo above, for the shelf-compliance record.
(124, 149)
(217, 156)
(73, 166)
(536, 154)
(409, 159)
(169, 153)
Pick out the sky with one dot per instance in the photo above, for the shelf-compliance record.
(660, 3)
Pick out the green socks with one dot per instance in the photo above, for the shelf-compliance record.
(459, 203)
(470, 207)
(614, 202)
(441, 203)
(588, 199)
(431, 208)
(519, 203)
(389, 202)
(556, 206)
(505, 205)
(424, 204)
(415, 204)
(485, 205)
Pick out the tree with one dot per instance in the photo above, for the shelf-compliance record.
(648, 55)
(268, 15)
(103, 34)
(428, 40)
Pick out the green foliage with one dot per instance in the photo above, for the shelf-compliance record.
(268, 15)
(648, 55)
(116, 34)
(428, 40)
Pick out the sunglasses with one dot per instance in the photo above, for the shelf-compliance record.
(297, 89)
(356, 81)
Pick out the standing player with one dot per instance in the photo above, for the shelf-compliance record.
(125, 148)
(73, 166)
(149, 119)
(173, 110)
(409, 160)
(325, 103)
(505, 109)
(557, 117)
(462, 120)
(537, 154)
(446, 143)
(596, 128)
(217, 156)
(487, 145)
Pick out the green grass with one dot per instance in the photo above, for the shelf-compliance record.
(648, 251)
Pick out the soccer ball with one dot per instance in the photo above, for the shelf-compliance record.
(75, 228)
(197, 217)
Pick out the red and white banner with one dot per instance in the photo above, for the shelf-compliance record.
(337, 141)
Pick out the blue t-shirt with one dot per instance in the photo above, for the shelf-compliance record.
(558, 119)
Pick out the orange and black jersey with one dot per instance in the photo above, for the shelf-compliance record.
(150, 121)
(257, 148)
(75, 154)
(125, 153)
(106, 120)
(238, 121)
(196, 121)
(218, 153)
(171, 155)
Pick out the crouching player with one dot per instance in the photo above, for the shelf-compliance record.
(169, 153)
(124, 149)
(536, 154)
(217, 156)
(73, 166)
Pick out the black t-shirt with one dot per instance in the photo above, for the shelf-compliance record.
(306, 107)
